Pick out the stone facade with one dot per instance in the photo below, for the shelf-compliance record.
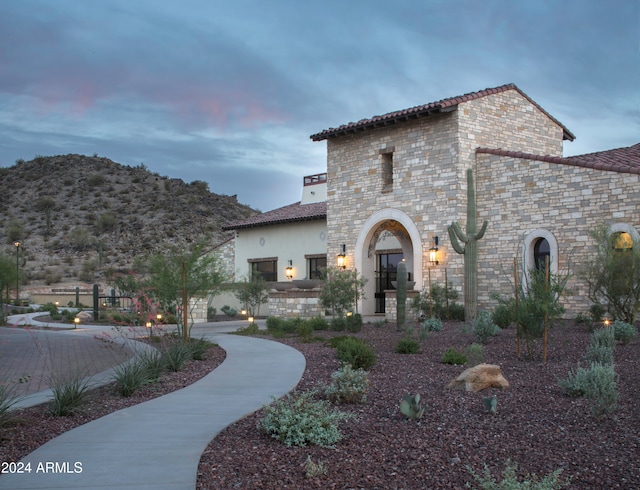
(304, 303)
(426, 191)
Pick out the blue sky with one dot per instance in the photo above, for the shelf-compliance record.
(229, 92)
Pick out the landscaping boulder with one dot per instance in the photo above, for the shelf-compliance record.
(479, 378)
(84, 316)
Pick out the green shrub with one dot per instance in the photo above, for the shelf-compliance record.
(348, 385)
(335, 341)
(251, 329)
(130, 377)
(176, 355)
(407, 346)
(483, 327)
(318, 323)
(338, 324)
(68, 395)
(624, 332)
(431, 324)
(597, 312)
(601, 354)
(298, 419)
(510, 481)
(305, 331)
(475, 354)
(456, 312)
(227, 310)
(601, 389)
(274, 323)
(604, 337)
(356, 352)
(575, 383)
(354, 322)
(503, 315)
(453, 356)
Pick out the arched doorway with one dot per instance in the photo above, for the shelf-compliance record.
(387, 237)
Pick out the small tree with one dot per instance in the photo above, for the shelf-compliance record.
(613, 275)
(252, 293)
(341, 290)
(46, 204)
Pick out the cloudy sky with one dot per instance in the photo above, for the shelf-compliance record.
(229, 92)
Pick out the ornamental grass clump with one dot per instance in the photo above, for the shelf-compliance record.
(130, 377)
(69, 395)
(348, 385)
(176, 355)
(7, 401)
(298, 419)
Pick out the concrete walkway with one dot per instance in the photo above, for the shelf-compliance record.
(158, 444)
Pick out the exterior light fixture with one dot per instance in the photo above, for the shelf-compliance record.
(606, 320)
(342, 257)
(159, 318)
(433, 252)
(250, 319)
(76, 321)
(289, 270)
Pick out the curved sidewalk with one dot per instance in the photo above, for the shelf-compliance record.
(157, 444)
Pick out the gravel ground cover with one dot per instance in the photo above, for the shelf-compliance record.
(536, 425)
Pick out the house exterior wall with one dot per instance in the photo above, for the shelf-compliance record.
(520, 196)
(430, 158)
(289, 241)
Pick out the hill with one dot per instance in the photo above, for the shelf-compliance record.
(78, 217)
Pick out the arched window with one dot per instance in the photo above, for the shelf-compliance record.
(538, 245)
(541, 253)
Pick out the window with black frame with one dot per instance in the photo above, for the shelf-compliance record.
(266, 269)
(317, 266)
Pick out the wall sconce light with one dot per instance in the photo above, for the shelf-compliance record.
(289, 270)
(342, 257)
(433, 252)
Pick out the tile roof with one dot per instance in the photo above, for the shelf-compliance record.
(623, 160)
(288, 214)
(444, 105)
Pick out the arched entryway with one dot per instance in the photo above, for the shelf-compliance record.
(386, 237)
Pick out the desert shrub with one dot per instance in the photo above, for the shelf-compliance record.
(335, 341)
(597, 311)
(199, 348)
(318, 323)
(407, 346)
(601, 389)
(431, 324)
(356, 352)
(130, 377)
(510, 480)
(475, 354)
(483, 327)
(274, 323)
(313, 469)
(354, 322)
(68, 395)
(298, 419)
(96, 180)
(338, 324)
(576, 381)
(624, 332)
(456, 312)
(348, 385)
(453, 356)
(227, 310)
(305, 331)
(176, 355)
(503, 315)
(434, 303)
(601, 346)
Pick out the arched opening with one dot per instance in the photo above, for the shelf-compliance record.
(385, 239)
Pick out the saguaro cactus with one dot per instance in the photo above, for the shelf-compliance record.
(401, 294)
(469, 250)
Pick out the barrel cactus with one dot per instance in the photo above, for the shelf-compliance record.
(469, 250)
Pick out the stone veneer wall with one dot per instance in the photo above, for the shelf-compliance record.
(520, 196)
(430, 157)
(303, 303)
(391, 303)
(226, 254)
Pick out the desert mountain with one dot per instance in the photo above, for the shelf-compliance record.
(78, 217)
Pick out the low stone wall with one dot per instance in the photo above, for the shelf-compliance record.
(303, 303)
(391, 301)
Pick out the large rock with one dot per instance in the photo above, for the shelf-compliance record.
(84, 316)
(479, 378)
